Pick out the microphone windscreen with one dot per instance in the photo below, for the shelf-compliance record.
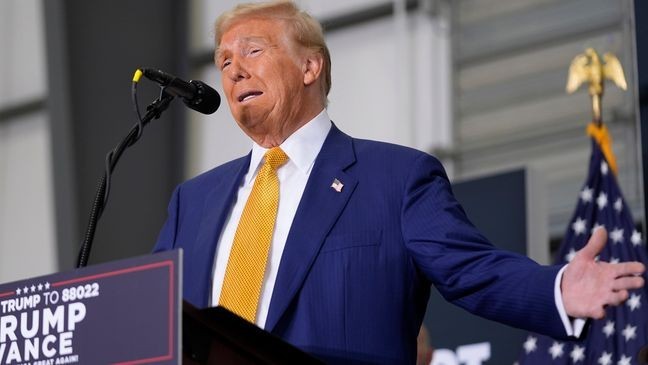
(207, 101)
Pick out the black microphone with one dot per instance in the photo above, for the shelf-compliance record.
(195, 94)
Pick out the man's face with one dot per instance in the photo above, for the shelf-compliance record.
(263, 79)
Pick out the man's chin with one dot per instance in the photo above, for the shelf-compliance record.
(251, 123)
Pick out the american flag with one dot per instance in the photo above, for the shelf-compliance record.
(617, 338)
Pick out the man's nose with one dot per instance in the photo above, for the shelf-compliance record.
(236, 71)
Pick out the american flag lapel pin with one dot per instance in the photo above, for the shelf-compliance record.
(337, 185)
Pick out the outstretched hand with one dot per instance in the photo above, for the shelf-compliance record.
(588, 286)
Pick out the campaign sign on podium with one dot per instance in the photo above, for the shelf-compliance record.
(123, 312)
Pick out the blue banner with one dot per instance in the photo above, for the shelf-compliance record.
(123, 312)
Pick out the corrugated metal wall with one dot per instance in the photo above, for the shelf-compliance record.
(510, 61)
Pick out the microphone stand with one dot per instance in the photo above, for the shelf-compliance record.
(154, 110)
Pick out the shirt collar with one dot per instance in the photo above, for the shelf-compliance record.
(301, 147)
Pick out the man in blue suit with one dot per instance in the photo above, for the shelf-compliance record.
(362, 228)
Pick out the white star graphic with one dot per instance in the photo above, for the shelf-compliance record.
(556, 350)
(47, 286)
(630, 332)
(570, 256)
(577, 354)
(608, 329)
(531, 344)
(33, 288)
(602, 200)
(636, 238)
(605, 359)
(634, 302)
(616, 235)
(40, 286)
(625, 360)
(604, 168)
(579, 226)
(614, 260)
(18, 291)
(618, 205)
(586, 194)
(25, 290)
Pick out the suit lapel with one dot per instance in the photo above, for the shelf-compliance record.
(218, 204)
(318, 210)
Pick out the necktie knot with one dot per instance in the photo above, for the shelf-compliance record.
(275, 157)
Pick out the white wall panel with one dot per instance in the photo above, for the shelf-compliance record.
(366, 69)
(22, 60)
(203, 15)
(332, 8)
(27, 237)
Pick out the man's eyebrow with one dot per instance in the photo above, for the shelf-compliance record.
(245, 40)
(254, 39)
(218, 53)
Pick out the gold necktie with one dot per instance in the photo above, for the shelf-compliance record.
(247, 261)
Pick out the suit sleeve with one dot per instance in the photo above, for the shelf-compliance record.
(167, 236)
(464, 266)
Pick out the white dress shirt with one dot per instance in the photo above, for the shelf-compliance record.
(302, 147)
(575, 327)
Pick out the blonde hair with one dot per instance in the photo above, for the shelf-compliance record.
(307, 31)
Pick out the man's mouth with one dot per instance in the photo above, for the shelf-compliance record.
(248, 95)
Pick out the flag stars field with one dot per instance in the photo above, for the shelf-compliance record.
(530, 344)
(604, 168)
(602, 200)
(570, 256)
(625, 360)
(617, 338)
(629, 332)
(618, 205)
(634, 302)
(586, 195)
(579, 226)
(605, 359)
(556, 350)
(616, 235)
(635, 238)
(577, 354)
(608, 329)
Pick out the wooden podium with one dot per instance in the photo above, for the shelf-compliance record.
(217, 336)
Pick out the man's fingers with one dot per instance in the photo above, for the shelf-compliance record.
(617, 297)
(594, 245)
(628, 282)
(628, 268)
(598, 313)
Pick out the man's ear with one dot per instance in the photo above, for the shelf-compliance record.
(312, 67)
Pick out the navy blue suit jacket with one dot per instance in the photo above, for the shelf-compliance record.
(355, 275)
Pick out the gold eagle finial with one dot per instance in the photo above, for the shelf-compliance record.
(587, 67)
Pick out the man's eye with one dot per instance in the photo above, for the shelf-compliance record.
(255, 50)
(225, 63)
